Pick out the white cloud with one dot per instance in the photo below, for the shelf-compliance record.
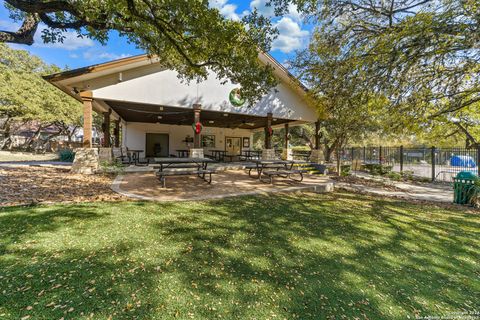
(262, 8)
(228, 11)
(70, 42)
(97, 54)
(291, 36)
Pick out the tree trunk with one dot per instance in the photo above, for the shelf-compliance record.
(6, 143)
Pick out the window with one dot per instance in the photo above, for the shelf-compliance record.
(208, 141)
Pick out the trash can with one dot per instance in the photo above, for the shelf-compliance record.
(463, 187)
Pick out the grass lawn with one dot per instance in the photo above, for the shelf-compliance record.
(7, 156)
(336, 256)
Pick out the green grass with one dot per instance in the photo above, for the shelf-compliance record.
(12, 156)
(337, 256)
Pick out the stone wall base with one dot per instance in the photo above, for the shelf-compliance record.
(287, 154)
(86, 161)
(196, 153)
(105, 154)
(268, 154)
(317, 156)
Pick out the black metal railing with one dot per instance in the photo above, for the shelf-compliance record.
(441, 164)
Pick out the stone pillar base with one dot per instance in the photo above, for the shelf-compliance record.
(86, 161)
(268, 154)
(317, 156)
(196, 153)
(105, 154)
(287, 154)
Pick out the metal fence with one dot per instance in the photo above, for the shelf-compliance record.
(437, 164)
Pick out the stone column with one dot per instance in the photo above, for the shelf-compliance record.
(268, 153)
(196, 151)
(116, 133)
(87, 118)
(287, 153)
(106, 128)
(317, 155)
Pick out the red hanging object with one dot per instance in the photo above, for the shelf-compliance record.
(270, 131)
(197, 127)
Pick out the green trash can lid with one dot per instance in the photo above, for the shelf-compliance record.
(466, 175)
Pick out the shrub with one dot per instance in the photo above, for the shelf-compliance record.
(408, 174)
(66, 155)
(111, 167)
(394, 176)
(377, 169)
(345, 170)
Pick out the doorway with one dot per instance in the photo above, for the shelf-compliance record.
(156, 145)
(233, 146)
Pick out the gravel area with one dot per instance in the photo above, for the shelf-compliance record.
(32, 185)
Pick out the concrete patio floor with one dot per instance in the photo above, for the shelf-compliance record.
(226, 183)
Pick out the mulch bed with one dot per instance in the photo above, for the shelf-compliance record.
(33, 185)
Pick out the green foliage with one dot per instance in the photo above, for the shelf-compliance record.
(25, 96)
(115, 167)
(377, 169)
(345, 170)
(66, 155)
(319, 256)
(348, 109)
(422, 55)
(394, 176)
(190, 37)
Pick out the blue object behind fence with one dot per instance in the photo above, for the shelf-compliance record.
(462, 161)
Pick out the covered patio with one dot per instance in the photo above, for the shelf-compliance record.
(151, 116)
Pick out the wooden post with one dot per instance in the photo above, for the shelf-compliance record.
(106, 128)
(87, 100)
(286, 136)
(116, 133)
(317, 135)
(380, 155)
(196, 118)
(268, 126)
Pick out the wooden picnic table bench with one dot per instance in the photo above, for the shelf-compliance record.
(200, 173)
(168, 167)
(284, 174)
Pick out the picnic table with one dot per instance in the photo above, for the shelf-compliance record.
(270, 168)
(251, 154)
(220, 155)
(180, 166)
(135, 155)
(182, 153)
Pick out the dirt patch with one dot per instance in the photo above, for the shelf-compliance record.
(367, 182)
(31, 185)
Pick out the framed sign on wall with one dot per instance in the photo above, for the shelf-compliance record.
(208, 141)
(246, 142)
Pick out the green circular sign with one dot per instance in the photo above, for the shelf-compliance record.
(236, 97)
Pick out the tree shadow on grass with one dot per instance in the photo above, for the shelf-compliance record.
(283, 256)
(324, 260)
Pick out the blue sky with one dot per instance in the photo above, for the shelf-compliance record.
(77, 52)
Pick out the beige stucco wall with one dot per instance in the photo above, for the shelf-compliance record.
(134, 135)
(163, 87)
